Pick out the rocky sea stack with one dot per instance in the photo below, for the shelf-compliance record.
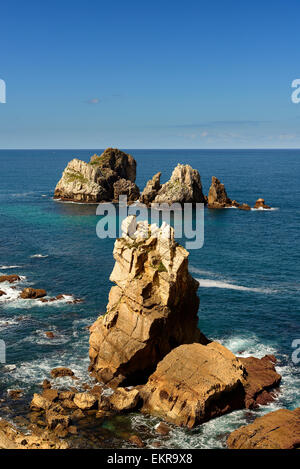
(151, 310)
(184, 186)
(103, 179)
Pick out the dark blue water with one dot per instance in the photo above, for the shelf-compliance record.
(249, 266)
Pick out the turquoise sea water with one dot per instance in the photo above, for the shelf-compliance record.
(248, 268)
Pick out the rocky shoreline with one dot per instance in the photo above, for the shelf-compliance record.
(148, 355)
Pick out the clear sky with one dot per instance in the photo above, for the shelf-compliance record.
(149, 74)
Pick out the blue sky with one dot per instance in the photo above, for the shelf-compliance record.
(151, 74)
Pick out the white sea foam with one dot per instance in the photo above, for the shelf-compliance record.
(39, 256)
(209, 283)
(261, 209)
(4, 267)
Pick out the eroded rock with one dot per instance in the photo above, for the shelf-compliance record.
(276, 430)
(152, 309)
(33, 293)
(94, 181)
(195, 383)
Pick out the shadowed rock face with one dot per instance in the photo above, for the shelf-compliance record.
(94, 181)
(276, 430)
(194, 383)
(184, 186)
(152, 309)
(152, 187)
(217, 196)
(261, 380)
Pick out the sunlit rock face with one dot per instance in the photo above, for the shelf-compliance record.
(151, 310)
(98, 180)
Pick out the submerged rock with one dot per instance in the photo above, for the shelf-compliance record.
(195, 383)
(152, 309)
(184, 186)
(94, 181)
(276, 430)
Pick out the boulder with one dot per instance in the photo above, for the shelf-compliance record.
(137, 441)
(32, 293)
(2, 293)
(85, 400)
(276, 430)
(217, 195)
(152, 309)
(128, 188)
(9, 278)
(162, 428)
(260, 204)
(261, 380)
(94, 181)
(152, 188)
(184, 186)
(54, 418)
(124, 399)
(61, 372)
(195, 383)
(39, 402)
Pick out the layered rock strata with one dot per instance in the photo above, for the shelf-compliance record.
(184, 186)
(151, 310)
(98, 180)
(276, 430)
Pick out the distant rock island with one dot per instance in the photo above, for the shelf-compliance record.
(103, 179)
(113, 173)
(184, 186)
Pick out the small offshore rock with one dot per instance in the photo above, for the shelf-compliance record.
(260, 204)
(137, 441)
(61, 372)
(162, 428)
(9, 278)
(32, 293)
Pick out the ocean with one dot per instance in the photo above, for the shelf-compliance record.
(248, 269)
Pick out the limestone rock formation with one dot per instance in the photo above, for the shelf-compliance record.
(260, 204)
(152, 188)
(217, 195)
(152, 309)
(184, 186)
(276, 430)
(261, 380)
(94, 181)
(194, 383)
(218, 198)
(128, 188)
